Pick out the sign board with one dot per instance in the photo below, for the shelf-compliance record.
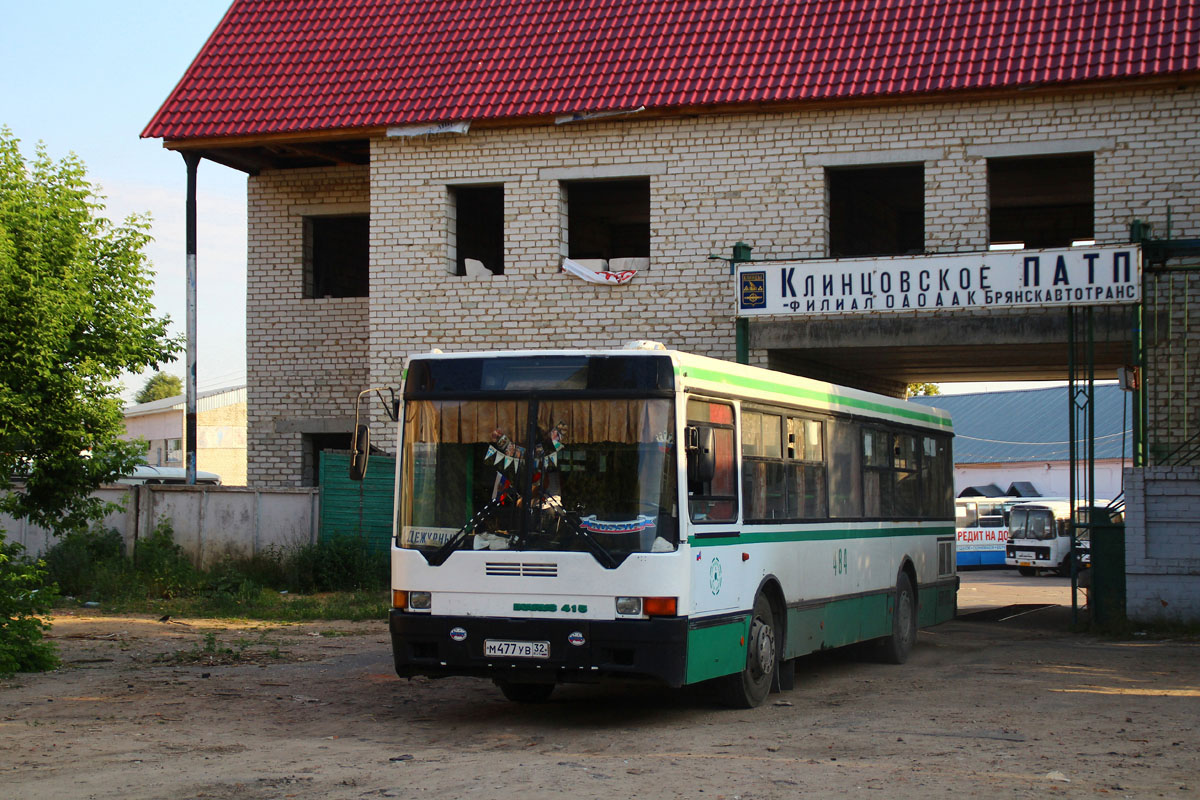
(1000, 279)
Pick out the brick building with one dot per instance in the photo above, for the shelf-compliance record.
(419, 172)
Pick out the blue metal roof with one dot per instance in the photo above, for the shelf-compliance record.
(1030, 424)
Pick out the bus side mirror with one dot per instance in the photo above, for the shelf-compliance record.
(360, 448)
(701, 461)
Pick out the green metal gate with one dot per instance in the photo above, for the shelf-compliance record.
(357, 508)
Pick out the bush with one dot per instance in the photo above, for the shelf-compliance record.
(24, 594)
(91, 565)
(162, 568)
(337, 565)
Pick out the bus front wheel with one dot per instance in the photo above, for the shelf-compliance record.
(526, 692)
(748, 688)
(895, 648)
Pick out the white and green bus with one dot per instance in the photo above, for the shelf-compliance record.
(573, 516)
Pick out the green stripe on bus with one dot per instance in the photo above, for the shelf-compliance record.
(761, 385)
(838, 623)
(720, 649)
(763, 537)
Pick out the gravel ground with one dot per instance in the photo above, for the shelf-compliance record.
(211, 709)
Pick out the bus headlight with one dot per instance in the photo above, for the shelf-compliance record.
(420, 601)
(629, 606)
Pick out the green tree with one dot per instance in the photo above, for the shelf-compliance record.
(24, 596)
(922, 390)
(160, 385)
(75, 311)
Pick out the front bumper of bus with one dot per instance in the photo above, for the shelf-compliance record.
(1027, 556)
(580, 651)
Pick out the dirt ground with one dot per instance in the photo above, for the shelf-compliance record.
(203, 709)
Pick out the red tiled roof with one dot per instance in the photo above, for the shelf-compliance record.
(281, 66)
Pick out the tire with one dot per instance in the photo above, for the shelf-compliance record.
(526, 692)
(748, 688)
(1028, 572)
(1064, 569)
(896, 647)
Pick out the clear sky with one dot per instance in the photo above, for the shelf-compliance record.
(85, 76)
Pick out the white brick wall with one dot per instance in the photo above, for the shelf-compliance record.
(1162, 543)
(306, 359)
(714, 180)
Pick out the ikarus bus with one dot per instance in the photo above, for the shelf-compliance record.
(640, 513)
(982, 526)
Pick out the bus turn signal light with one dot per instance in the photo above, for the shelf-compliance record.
(399, 598)
(659, 606)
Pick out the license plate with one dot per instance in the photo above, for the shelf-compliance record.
(1025, 563)
(505, 648)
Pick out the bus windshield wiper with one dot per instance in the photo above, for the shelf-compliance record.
(440, 555)
(603, 556)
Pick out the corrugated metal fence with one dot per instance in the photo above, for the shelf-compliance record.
(357, 508)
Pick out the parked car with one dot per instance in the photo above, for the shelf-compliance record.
(174, 476)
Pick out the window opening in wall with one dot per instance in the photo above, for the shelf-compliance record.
(174, 451)
(608, 219)
(478, 228)
(313, 445)
(336, 261)
(876, 211)
(1041, 201)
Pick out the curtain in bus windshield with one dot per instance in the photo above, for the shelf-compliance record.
(603, 466)
(458, 458)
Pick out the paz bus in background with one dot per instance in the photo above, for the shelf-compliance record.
(1040, 535)
(571, 516)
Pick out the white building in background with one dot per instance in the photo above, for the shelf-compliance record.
(220, 432)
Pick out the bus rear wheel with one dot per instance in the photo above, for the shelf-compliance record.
(895, 648)
(748, 688)
(526, 692)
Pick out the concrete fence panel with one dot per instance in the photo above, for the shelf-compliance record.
(209, 522)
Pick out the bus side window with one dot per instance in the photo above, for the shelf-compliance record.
(712, 474)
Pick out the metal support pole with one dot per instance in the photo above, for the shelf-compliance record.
(1091, 412)
(741, 325)
(1074, 454)
(192, 160)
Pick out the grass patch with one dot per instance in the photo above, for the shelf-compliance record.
(211, 653)
(266, 605)
(336, 579)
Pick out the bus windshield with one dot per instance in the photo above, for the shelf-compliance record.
(1032, 523)
(593, 475)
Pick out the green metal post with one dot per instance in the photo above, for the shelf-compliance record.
(1073, 463)
(741, 326)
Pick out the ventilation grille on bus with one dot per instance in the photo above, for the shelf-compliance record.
(522, 570)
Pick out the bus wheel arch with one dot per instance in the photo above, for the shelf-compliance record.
(749, 687)
(784, 677)
(907, 568)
